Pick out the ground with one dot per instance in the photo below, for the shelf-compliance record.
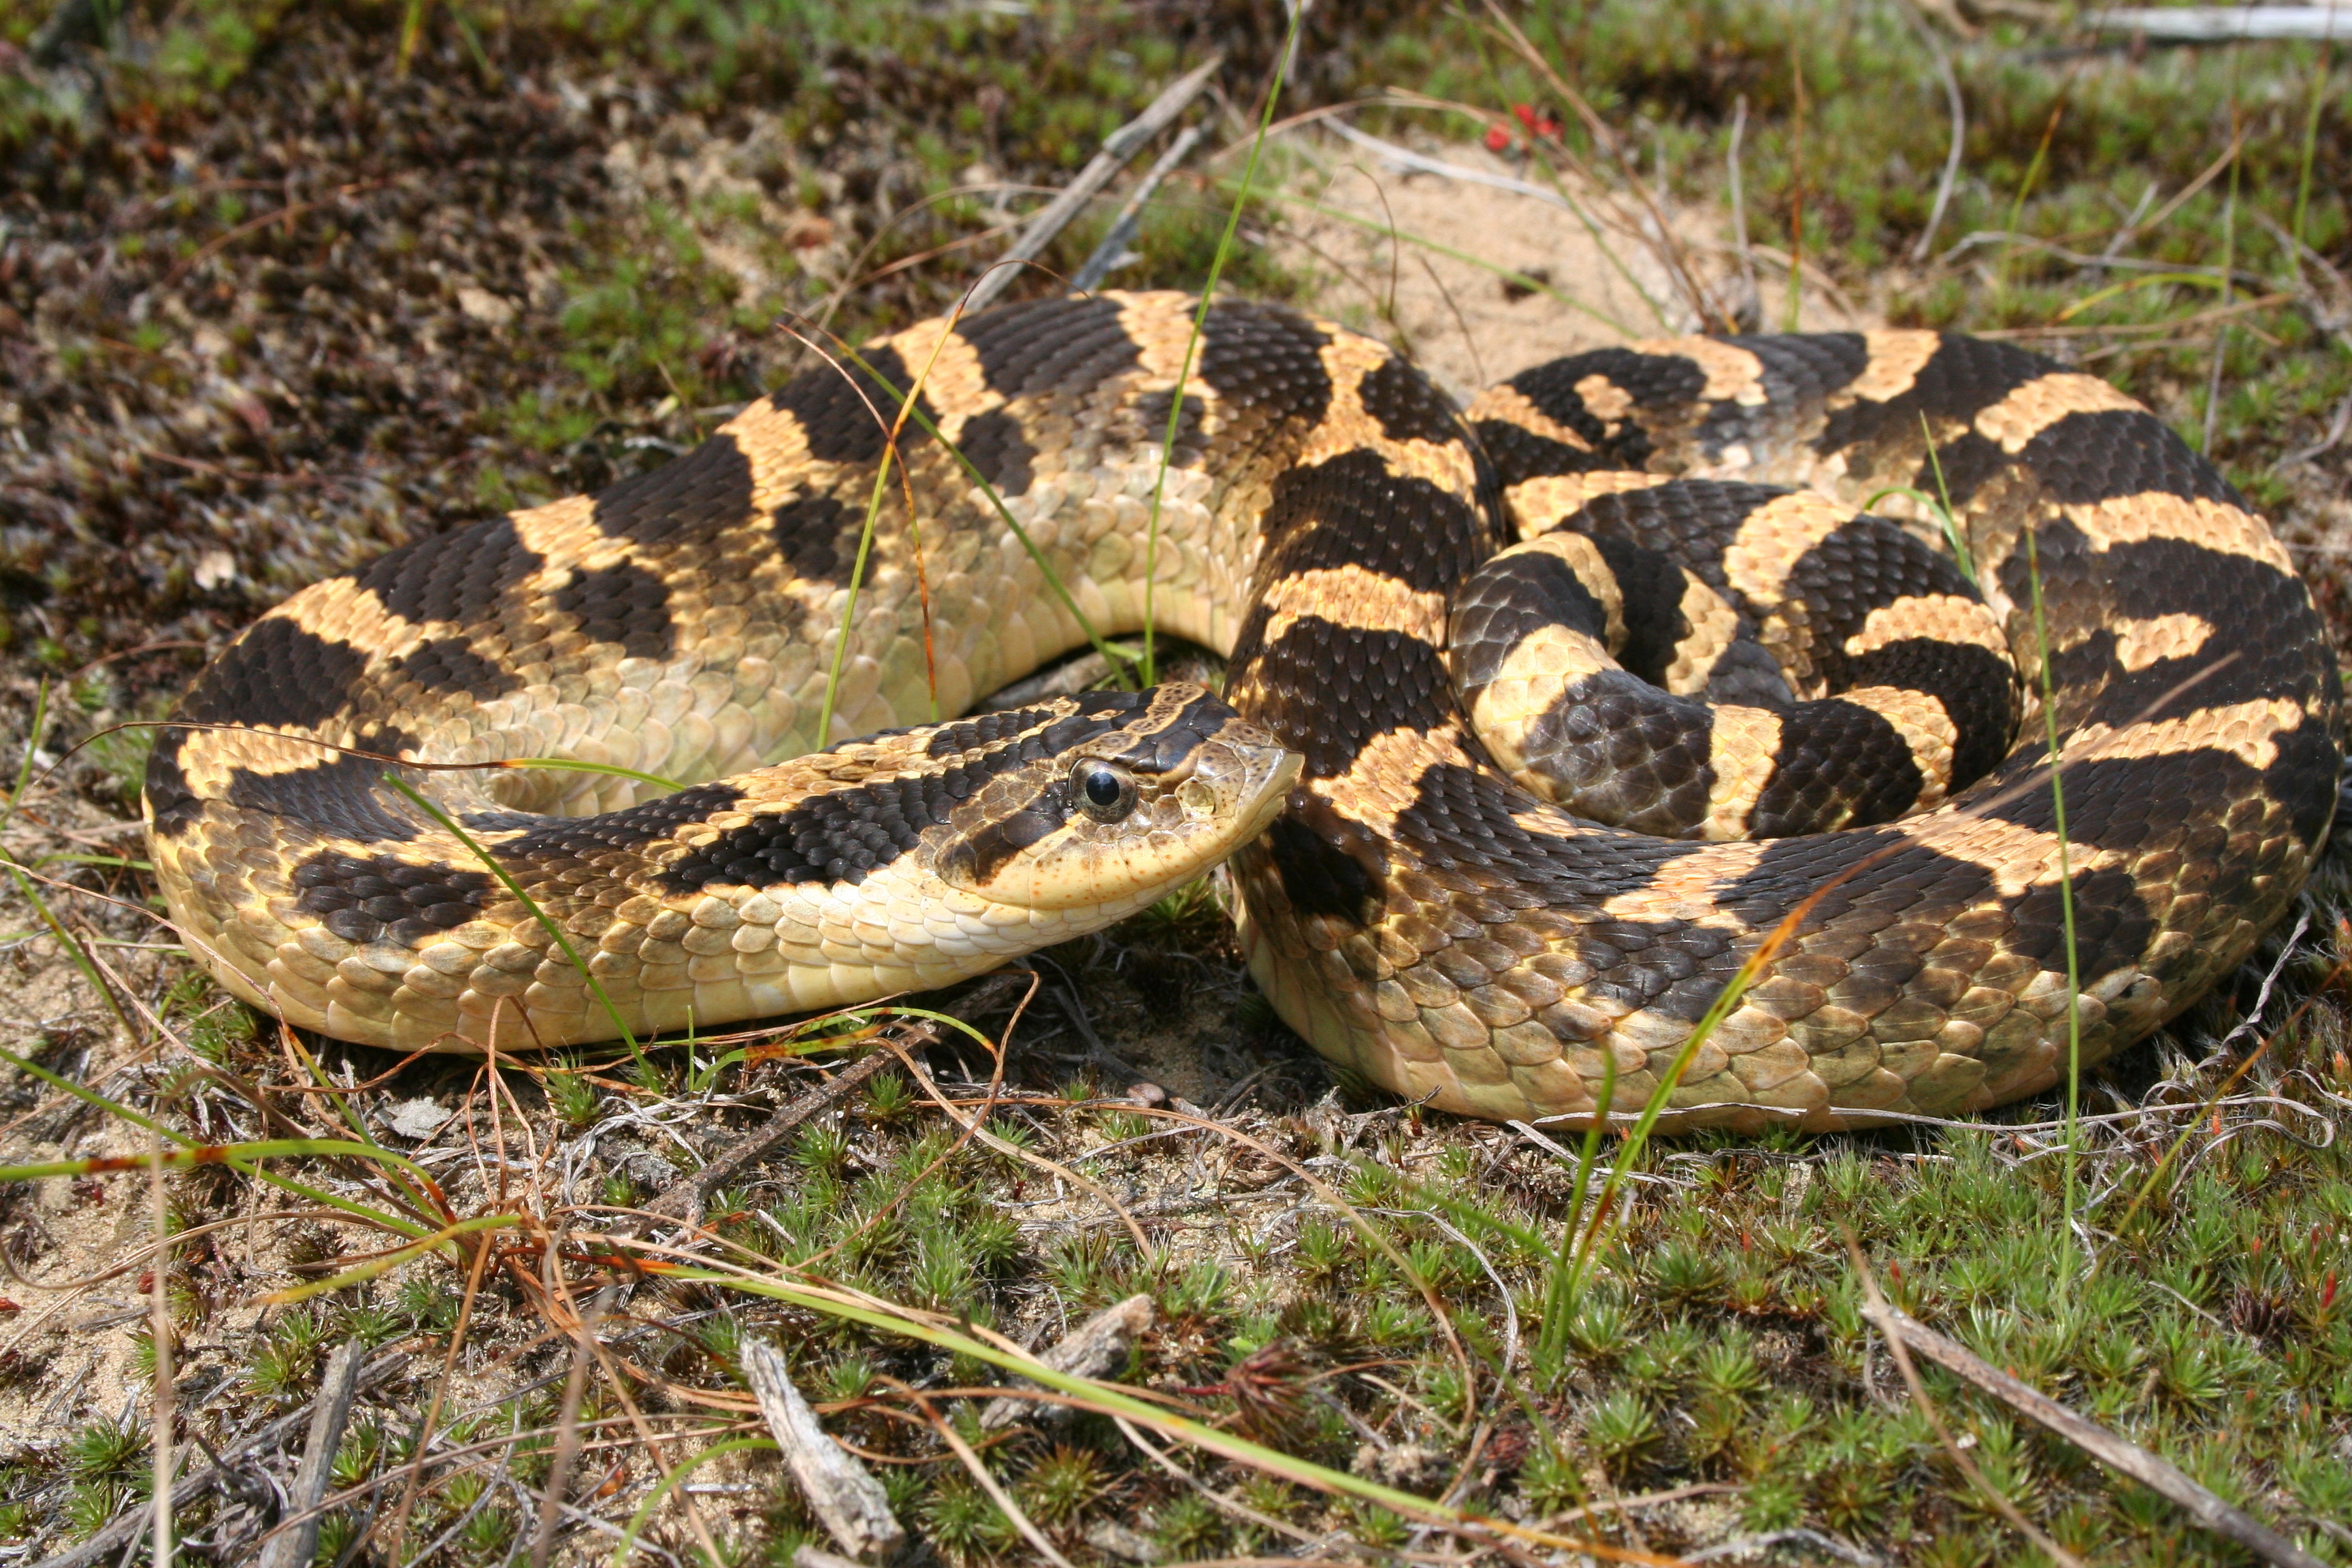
(280, 287)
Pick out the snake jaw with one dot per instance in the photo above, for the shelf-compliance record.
(1206, 783)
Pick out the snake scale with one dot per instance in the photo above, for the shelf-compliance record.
(1544, 715)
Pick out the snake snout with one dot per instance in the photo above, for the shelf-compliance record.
(1171, 783)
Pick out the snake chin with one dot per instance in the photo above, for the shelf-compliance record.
(1125, 817)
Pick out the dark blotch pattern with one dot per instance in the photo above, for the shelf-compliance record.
(1013, 736)
(994, 444)
(1963, 376)
(1624, 752)
(1328, 689)
(1518, 453)
(807, 532)
(2086, 458)
(631, 829)
(1462, 820)
(623, 604)
(2305, 776)
(367, 897)
(1508, 600)
(343, 795)
(704, 493)
(277, 674)
(848, 423)
(1049, 348)
(1692, 520)
(1408, 408)
(1350, 510)
(1653, 587)
(172, 805)
(1653, 381)
(455, 576)
(1267, 358)
(1977, 688)
(839, 836)
(1329, 866)
(447, 664)
(1838, 766)
(995, 844)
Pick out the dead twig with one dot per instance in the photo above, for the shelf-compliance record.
(847, 1500)
(294, 1546)
(1093, 1350)
(1113, 250)
(1875, 1307)
(1959, 139)
(1116, 148)
(2116, 1453)
(2324, 23)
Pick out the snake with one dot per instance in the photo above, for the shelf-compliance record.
(1772, 731)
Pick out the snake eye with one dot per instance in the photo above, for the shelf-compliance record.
(1104, 791)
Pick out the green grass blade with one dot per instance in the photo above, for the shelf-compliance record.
(32, 743)
(1193, 345)
(824, 736)
(1108, 1399)
(2323, 58)
(554, 931)
(192, 1154)
(359, 1274)
(676, 1478)
(1112, 655)
(575, 765)
(91, 1097)
(2066, 912)
(72, 945)
(2145, 280)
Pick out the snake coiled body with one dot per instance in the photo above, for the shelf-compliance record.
(1764, 709)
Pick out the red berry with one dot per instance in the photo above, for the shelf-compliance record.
(1527, 114)
(1498, 139)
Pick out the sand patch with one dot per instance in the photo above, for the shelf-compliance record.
(1419, 259)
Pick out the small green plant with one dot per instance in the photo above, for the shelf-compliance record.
(91, 1505)
(430, 1307)
(1599, 1328)
(570, 1095)
(964, 1524)
(106, 1448)
(1621, 1428)
(1061, 1484)
(1728, 1368)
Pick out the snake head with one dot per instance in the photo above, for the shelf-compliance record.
(1113, 799)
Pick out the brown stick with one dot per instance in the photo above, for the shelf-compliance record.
(2115, 1453)
(847, 1500)
(295, 1546)
(1116, 148)
(1095, 1348)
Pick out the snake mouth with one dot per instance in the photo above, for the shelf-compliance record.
(1129, 817)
